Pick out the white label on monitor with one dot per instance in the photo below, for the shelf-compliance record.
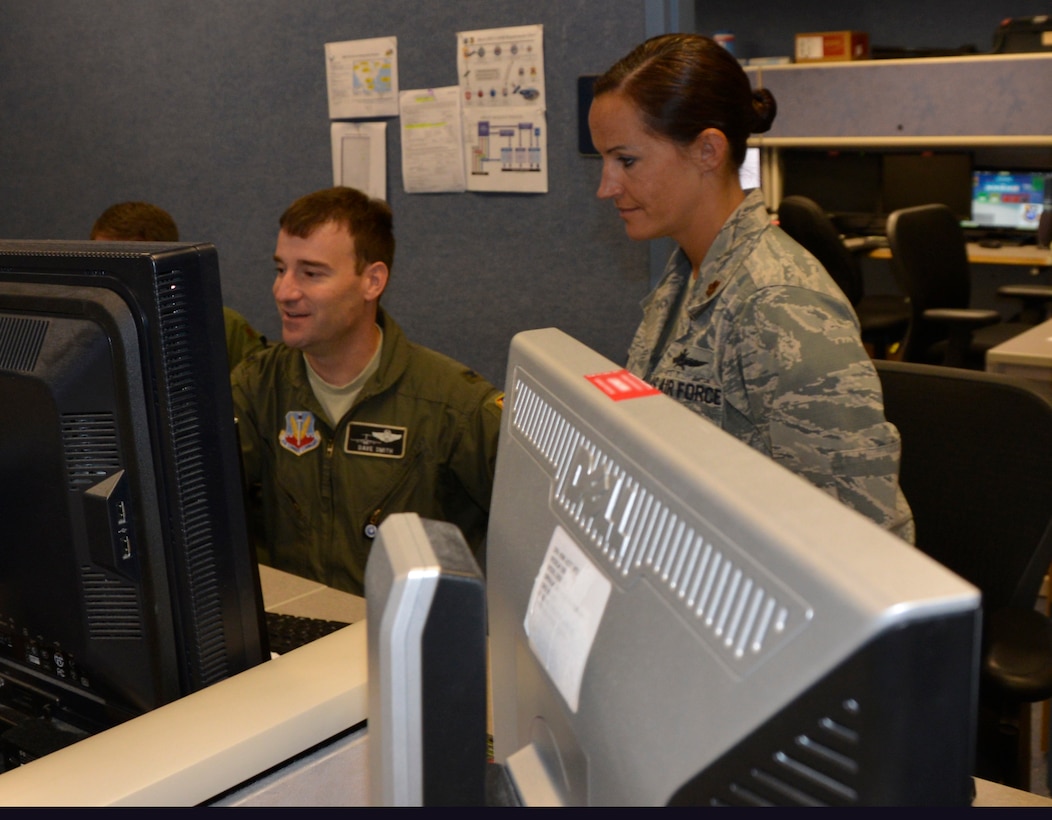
(566, 607)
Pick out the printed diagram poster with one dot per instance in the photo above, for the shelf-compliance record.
(502, 66)
(432, 155)
(505, 130)
(362, 77)
(506, 149)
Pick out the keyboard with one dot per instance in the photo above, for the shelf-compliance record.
(287, 632)
(860, 244)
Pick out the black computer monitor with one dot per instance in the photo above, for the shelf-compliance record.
(845, 184)
(911, 178)
(126, 578)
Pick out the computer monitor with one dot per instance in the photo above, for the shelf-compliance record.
(426, 615)
(1009, 200)
(911, 178)
(676, 618)
(749, 174)
(845, 184)
(126, 577)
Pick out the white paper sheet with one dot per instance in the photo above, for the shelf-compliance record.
(432, 155)
(566, 607)
(359, 156)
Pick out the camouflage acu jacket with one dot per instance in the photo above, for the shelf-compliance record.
(765, 345)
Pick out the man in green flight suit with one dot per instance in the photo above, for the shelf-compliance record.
(346, 421)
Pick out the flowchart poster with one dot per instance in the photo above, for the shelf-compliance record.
(505, 131)
(506, 150)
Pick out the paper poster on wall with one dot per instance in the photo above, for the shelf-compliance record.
(359, 156)
(506, 149)
(432, 156)
(505, 128)
(501, 67)
(362, 78)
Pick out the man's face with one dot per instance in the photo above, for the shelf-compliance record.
(324, 303)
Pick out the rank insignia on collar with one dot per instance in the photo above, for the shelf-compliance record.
(299, 435)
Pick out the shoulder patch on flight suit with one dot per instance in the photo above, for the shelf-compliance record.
(299, 435)
(380, 440)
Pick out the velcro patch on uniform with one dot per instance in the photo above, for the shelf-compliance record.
(299, 435)
(380, 440)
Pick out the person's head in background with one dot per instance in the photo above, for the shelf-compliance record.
(135, 222)
(672, 120)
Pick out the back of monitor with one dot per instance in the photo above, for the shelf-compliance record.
(426, 617)
(674, 617)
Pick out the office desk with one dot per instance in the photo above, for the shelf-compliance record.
(1025, 255)
(230, 744)
(212, 741)
(1028, 355)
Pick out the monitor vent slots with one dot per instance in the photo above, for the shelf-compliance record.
(186, 400)
(90, 443)
(818, 766)
(112, 607)
(20, 342)
(740, 611)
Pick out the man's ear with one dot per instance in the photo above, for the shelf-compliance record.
(375, 278)
(710, 149)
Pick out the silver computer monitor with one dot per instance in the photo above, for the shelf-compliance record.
(675, 618)
(426, 616)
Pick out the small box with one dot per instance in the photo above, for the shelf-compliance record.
(832, 46)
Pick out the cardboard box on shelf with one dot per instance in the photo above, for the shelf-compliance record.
(832, 46)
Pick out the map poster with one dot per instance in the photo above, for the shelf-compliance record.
(362, 77)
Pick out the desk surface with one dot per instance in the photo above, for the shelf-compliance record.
(236, 729)
(1027, 255)
(1031, 347)
(189, 751)
(283, 592)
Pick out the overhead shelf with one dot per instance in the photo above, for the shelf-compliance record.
(995, 100)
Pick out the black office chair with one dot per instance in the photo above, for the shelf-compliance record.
(884, 318)
(977, 471)
(929, 258)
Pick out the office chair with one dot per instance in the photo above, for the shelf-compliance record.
(884, 318)
(929, 259)
(976, 456)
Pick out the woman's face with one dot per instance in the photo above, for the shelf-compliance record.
(654, 183)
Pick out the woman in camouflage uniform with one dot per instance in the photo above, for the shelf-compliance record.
(745, 327)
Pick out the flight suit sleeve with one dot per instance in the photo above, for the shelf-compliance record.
(251, 456)
(475, 459)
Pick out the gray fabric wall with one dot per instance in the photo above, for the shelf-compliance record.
(217, 111)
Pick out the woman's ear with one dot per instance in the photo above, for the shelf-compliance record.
(710, 149)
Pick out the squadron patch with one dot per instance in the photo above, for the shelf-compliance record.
(299, 435)
(380, 440)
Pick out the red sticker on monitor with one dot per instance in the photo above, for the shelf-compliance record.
(620, 384)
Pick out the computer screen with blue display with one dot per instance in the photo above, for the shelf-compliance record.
(1009, 200)
(674, 618)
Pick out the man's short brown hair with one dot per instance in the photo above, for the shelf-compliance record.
(368, 220)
